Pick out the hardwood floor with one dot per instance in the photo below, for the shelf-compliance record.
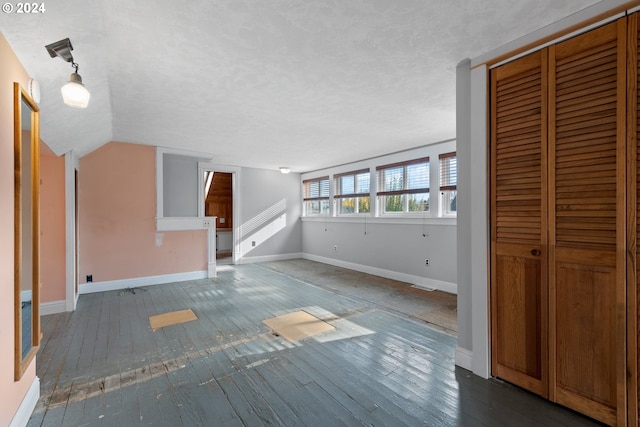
(103, 365)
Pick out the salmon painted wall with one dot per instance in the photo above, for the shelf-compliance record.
(117, 202)
(11, 392)
(52, 226)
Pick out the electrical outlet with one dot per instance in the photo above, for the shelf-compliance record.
(206, 223)
(253, 243)
(335, 248)
(89, 278)
(426, 262)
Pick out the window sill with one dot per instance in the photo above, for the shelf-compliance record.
(399, 219)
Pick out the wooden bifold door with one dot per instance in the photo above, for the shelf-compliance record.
(563, 222)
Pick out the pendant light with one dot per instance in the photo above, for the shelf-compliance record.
(74, 93)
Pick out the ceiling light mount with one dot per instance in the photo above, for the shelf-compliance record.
(74, 93)
(61, 49)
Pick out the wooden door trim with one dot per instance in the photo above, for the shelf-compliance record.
(551, 218)
(632, 220)
(621, 225)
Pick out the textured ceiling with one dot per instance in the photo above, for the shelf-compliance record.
(300, 83)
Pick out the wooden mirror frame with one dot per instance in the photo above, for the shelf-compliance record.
(27, 224)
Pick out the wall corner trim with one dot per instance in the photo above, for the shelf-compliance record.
(464, 358)
(114, 285)
(26, 408)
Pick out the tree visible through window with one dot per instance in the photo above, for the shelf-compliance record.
(404, 187)
(352, 192)
(449, 183)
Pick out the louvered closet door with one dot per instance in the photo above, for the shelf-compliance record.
(518, 229)
(587, 222)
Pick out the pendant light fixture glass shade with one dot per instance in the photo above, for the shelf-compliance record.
(74, 93)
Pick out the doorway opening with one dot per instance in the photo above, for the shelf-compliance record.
(218, 202)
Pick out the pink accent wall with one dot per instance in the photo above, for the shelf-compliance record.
(52, 226)
(11, 392)
(117, 201)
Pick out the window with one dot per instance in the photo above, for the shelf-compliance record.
(352, 192)
(448, 183)
(316, 196)
(404, 187)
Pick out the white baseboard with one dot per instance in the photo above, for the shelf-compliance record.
(25, 296)
(114, 285)
(267, 258)
(464, 358)
(421, 282)
(53, 307)
(28, 404)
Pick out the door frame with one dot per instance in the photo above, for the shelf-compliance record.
(235, 185)
(72, 168)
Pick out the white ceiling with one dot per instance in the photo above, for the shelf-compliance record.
(300, 83)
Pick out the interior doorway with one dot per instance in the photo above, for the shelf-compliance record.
(219, 203)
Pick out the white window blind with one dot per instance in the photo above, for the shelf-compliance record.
(352, 192)
(404, 187)
(316, 196)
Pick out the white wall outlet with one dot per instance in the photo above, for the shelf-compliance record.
(221, 220)
(335, 248)
(426, 262)
(206, 223)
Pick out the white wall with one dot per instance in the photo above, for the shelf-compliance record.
(392, 247)
(473, 350)
(463, 135)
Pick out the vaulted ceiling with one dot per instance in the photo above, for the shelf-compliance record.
(265, 83)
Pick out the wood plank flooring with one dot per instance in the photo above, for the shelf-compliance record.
(103, 365)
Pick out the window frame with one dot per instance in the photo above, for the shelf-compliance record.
(446, 186)
(405, 192)
(339, 195)
(306, 200)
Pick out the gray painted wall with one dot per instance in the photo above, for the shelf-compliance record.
(270, 209)
(180, 186)
(392, 247)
